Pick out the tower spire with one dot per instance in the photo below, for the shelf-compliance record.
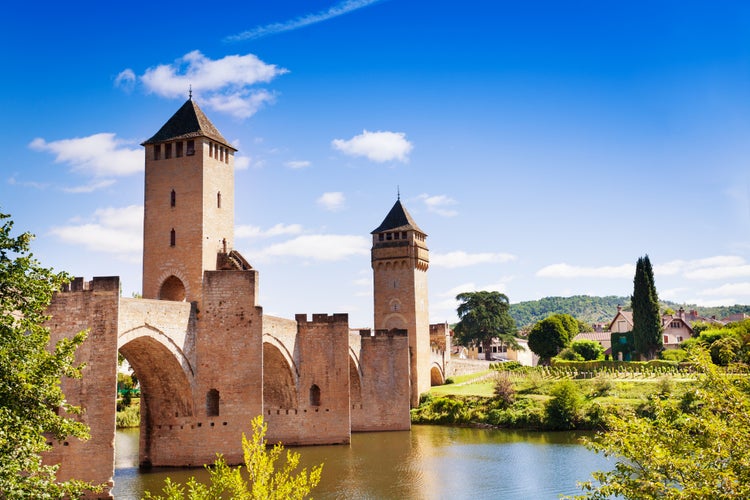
(190, 92)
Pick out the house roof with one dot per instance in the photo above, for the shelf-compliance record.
(188, 122)
(626, 315)
(597, 336)
(398, 219)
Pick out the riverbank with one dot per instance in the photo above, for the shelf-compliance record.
(542, 399)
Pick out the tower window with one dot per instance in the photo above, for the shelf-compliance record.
(178, 151)
(212, 403)
(157, 151)
(380, 237)
(218, 199)
(388, 236)
(190, 148)
(172, 238)
(403, 235)
(167, 151)
(210, 149)
(314, 395)
(395, 236)
(221, 154)
(172, 199)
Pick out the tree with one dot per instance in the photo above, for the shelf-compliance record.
(33, 409)
(484, 316)
(265, 480)
(562, 410)
(590, 350)
(697, 447)
(647, 327)
(551, 335)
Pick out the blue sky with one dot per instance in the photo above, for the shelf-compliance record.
(543, 146)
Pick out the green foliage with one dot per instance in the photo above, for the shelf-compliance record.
(589, 350)
(548, 337)
(697, 447)
(33, 409)
(261, 477)
(130, 416)
(504, 391)
(647, 327)
(585, 308)
(676, 355)
(562, 411)
(569, 354)
(483, 316)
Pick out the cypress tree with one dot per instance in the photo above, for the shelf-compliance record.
(647, 328)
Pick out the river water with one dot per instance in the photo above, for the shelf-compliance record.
(429, 462)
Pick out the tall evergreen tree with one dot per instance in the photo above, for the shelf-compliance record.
(647, 328)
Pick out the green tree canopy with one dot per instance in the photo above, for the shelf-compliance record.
(548, 337)
(590, 350)
(697, 447)
(33, 409)
(647, 327)
(483, 316)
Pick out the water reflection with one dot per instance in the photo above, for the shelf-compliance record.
(430, 462)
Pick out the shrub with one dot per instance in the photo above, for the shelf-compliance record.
(602, 386)
(504, 391)
(449, 380)
(569, 354)
(589, 350)
(677, 355)
(562, 410)
(129, 417)
(665, 385)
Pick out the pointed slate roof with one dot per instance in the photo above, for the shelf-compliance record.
(188, 122)
(398, 219)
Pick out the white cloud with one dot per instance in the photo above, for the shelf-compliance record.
(459, 258)
(302, 21)
(719, 272)
(223, 84)
(568, 271)
(111, 230)
(439, 204)
(376, 146)
(324, 247)
(241, 162)
(248, 231)
(125, 80)
(90, 187)
(689, 266)
(100, 155)
(297, 164)
(728, 289)
(333, 201)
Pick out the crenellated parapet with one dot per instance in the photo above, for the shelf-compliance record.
(98, 284)
(341, 318)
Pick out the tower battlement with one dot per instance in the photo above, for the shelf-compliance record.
(322, 318)
(99, 284)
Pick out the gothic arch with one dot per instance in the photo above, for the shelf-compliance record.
(279, 377)
(437, 377)
(355, 381)
(177, 286)
(394, 320)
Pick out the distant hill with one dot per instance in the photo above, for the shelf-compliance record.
(600, 309)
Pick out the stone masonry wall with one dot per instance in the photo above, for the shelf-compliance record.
(92, 306)
(385, 385)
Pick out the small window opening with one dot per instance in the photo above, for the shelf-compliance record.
(178, 150)
(396, 236)
(157, 151)
(212, 403)
(314, 395)
(167, 151)
(380, 237)
(210, 149)
(221, 154)
(172, 238)
(172, 199)
(403, 235)
(190, 148)
(389, 236)
(218, 199)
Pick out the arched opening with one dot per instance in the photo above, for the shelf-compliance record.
(436, 376)
(172, 289)
(279, 388)
(355, 385)
(314, 395)
(212, 403)
(165, 399)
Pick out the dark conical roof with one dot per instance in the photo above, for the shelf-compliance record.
(398, 219)
(188, 122)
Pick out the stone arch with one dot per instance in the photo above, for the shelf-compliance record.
(279, 378)
(172, 288)
(166, 394)
(394, 320)
(436, 375)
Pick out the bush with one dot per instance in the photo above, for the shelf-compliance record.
(569, 354)
(602, 386)
(562, 411)
(504, 391)
(589, 350)
(449, 380)
(677, 355)
(129, 417)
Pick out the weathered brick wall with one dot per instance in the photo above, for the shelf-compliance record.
(385, 382)
(92, 306)
(320, 415)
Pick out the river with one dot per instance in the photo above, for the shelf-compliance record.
(430, 462)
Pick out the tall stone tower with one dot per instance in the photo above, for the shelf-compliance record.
(399, 262)
(188, 205)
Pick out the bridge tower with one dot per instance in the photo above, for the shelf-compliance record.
(188, 205)
(400, 260)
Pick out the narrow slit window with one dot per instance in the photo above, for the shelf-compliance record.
(212, 403)
(167, 151)
(172, 199)
(218, 199)
(172, 238)
(314, 395)
(190, 148)
(178, 150)
(210, 149)
(157, 151)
